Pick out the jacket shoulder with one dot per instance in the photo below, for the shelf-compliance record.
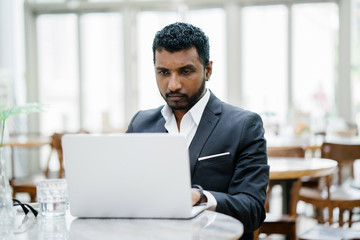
(146, 120)
(238, 112)
(219, 107)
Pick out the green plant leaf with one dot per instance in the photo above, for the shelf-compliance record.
(16, 110)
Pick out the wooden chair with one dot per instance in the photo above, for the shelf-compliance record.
(286, 151)
(256, 234)
(340, 195)
(283, 151)
(28, 184)
(284, 224)
(57, 147)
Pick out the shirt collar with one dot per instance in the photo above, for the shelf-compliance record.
(196, 111)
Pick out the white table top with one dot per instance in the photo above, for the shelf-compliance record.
(207, 225)
(293, 168)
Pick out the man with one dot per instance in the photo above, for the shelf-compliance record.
(227, 148)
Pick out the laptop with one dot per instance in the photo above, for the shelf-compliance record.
(135, 175)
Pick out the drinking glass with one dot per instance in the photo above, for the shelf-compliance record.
(52, 196)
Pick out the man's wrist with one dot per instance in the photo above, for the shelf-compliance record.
(201, 191)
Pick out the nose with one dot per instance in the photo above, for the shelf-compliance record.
(174, 82)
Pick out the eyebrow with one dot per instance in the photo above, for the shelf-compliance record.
(188, 66)
(161, 68)
(182, 67)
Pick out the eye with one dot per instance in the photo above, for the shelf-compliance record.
(186, 71)
(163, 72)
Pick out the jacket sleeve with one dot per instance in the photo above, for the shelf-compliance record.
(246, 194)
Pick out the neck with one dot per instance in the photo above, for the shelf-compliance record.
(178, 116)
(180, 113)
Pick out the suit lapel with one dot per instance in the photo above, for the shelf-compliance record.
(160, 126)
(207, 123)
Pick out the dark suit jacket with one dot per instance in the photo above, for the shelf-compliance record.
(238, 181)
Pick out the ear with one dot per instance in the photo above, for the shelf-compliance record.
(208, 71)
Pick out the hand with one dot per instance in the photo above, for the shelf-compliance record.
(195, 196)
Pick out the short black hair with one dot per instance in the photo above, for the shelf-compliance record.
(181, 36)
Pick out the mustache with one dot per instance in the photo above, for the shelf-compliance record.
(175, 93)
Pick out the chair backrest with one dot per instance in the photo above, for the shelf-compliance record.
(283, 151)
(55, 145)
(286, 151)
(344, 154)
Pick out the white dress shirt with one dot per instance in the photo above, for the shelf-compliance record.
(188, 126)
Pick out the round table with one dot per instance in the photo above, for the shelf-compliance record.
(294, 168)
(207, 225)
(289, 169)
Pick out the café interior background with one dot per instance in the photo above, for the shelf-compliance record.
(295, 62)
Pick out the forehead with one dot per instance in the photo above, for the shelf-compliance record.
(165, 58)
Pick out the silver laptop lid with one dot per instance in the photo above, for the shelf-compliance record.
(127, 175)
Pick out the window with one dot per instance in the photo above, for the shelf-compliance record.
(266, 64)
(356, 61)
(102, 51)
(315, 34)
(264, 53)
(83, 90)
(58, 72)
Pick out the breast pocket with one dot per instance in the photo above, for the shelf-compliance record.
(214, 172)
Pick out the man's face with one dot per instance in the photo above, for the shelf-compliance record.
(181, 77)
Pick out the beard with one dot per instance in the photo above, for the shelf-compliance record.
(189, 102)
